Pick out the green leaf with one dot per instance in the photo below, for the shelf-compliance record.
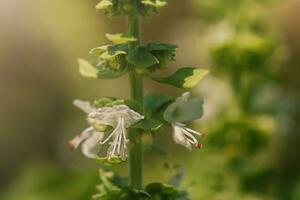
(133, 104)
(163, 53)
(147, 124)
(112, 49)
(119, 38)
(133, 194)
(86, 69)
(184, 109)
(160, 188)
(104, 4)
(161, 191)
(154, 102)
(156, 3)
(141, 58)
(153, 46)
(184, 78)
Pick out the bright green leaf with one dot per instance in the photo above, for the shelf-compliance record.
(141, 58)
(184, 78)
(119, 38)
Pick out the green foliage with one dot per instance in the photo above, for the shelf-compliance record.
(155, 104)
(152, 57)
(117, 7)
(141, 58)
(113, 187)
(163, 53)
(184, 109)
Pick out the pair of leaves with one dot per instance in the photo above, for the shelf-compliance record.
(156, 56)
(151, 57)
(114, 187)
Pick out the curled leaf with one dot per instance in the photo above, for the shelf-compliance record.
(97, 51)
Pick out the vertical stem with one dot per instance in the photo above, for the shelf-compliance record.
(136, 82)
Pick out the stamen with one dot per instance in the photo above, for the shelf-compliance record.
(199, 145)
(112, 133)
(193, 131)
(190, 136)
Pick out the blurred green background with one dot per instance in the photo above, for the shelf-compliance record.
(252, 47)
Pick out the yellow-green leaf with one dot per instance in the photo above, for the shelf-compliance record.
(184, 78)
(86, 69)
(104, 4)
(193, 80)
(97, 51)
(156, 4)
(119, 38)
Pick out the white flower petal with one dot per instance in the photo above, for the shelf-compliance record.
(85, 106)
(90, 148)
(75, 142)
(118, 117)
(110, 115)
(179, 137)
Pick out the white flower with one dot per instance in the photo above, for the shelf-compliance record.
(185, 136)
(119, 117)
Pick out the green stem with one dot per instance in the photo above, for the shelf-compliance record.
(136, 82)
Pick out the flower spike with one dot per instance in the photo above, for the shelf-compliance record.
(119, 117)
